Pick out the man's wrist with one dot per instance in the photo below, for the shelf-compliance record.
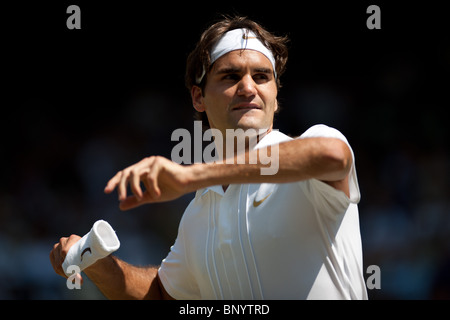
(209, 174)
(200, 176)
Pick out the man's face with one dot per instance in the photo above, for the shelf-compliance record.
(240, 92)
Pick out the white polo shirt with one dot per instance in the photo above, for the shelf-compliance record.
(296, 240)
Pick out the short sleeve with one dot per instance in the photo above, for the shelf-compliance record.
(174, 271)
(323, 131)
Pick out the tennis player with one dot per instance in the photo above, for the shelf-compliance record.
(293, 234)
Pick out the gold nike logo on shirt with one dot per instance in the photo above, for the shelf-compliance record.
(257, 203)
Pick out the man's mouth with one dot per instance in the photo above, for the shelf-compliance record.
(246, 106)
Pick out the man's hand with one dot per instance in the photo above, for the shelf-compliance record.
(164, 180)
(326, 159)
(59, 252)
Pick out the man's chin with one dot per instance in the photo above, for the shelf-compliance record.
(254, 124)
(252, 130)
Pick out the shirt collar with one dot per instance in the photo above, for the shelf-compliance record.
(217, 189)
(264, 142)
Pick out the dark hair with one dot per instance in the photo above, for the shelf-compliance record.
(199, 59)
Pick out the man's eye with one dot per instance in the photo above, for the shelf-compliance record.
(231, 76)
(260, 77)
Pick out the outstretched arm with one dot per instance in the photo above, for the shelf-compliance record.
(326, 159)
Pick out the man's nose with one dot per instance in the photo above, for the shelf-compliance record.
(246, 87)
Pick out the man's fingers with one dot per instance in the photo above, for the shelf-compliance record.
(130, 203)
(58, 254)
(143, 171)
(55, 259)
(152, 181)
(122, 186)
(79, 278)
(112, 183)
(135, 184)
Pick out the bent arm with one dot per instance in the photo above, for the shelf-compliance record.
(325, 159)
(115, 278)
(119, 280)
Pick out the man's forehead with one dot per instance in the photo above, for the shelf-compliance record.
(239, 59)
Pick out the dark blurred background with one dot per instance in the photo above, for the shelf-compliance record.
(80, 105)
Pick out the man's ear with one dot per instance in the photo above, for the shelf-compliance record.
(197, 98)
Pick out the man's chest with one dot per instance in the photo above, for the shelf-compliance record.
(237, 234)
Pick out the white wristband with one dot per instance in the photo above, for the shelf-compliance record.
(98, 243)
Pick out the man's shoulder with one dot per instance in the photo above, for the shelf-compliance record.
(317, 130)
(322, 130)
(273, 137)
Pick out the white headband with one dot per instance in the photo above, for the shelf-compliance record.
(238, 39)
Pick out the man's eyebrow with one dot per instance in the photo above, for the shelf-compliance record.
(262, 70)
(228, 70)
